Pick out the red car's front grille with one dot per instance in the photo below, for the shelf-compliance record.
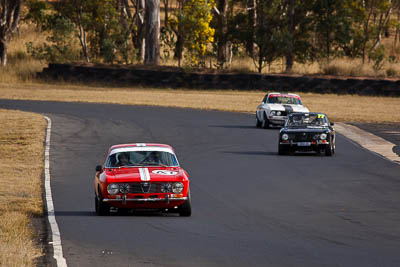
(145, 187)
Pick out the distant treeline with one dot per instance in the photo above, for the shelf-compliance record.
(193, 31)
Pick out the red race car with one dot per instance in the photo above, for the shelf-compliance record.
(142, 176)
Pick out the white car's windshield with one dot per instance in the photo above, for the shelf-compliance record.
(141, 158)
(307, 120)
(282, 99)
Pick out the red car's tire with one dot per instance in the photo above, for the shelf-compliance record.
(185, 209)
(102, 209)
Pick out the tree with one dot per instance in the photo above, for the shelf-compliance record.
(289, 53)
(80, 13)
(269, 37)
(193, 25)
(331, 26)
(152, 20)
(9, 19)
(252, 22)
(102, 33)
(386, 10)
(222, 39)
(136, 25)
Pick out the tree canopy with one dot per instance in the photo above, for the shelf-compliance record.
(115, 31)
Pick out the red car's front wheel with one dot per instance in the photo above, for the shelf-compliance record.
(186, 208)
(102, 208)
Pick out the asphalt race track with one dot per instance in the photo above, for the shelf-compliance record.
(251, 207)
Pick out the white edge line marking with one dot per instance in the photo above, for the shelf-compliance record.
(56, 236)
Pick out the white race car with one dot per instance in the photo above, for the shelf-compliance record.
(275, 107)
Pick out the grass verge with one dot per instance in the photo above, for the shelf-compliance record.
(21, 162)
(344, 108)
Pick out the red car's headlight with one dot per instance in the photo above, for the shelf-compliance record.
(177, 187)
(166, 188)
(113, 189)
(124, 188)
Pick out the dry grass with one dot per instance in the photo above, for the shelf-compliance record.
(347, 108)
(21, 67)
(21, 162)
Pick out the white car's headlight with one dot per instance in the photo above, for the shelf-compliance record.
(177, 187)
(323, 136)
(278, 113)
(113, 189)
(272, 113)
(285, 137)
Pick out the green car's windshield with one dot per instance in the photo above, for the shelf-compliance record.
(307, 120)
(141, 158)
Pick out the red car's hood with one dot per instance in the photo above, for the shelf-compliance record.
(149, 174)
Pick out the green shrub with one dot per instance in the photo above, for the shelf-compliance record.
(391, 72)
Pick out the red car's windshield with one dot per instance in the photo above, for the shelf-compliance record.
(141, 158)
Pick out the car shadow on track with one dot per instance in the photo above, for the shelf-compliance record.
(234, 126)
(272, 128)
(266, 153)
(252, 153)
(75, 213)
(141, 213)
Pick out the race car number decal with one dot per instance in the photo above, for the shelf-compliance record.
(321, 116)
(164, 172)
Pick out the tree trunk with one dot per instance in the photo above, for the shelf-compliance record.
(9, 19)
(366, 37)
(222, 52)
(141, 30)
(178, 51)
(396, 36)
(166, 6)
(328, 46)
(3, 52)
(382, 26)
(252, 20)
(82, 36)
(152, 19)
(82, 40)
(289, 55)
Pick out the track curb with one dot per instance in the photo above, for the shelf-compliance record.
(368, 140)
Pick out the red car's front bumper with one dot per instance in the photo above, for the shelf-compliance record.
(151, 203)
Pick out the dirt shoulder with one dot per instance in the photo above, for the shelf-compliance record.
(341, 108)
